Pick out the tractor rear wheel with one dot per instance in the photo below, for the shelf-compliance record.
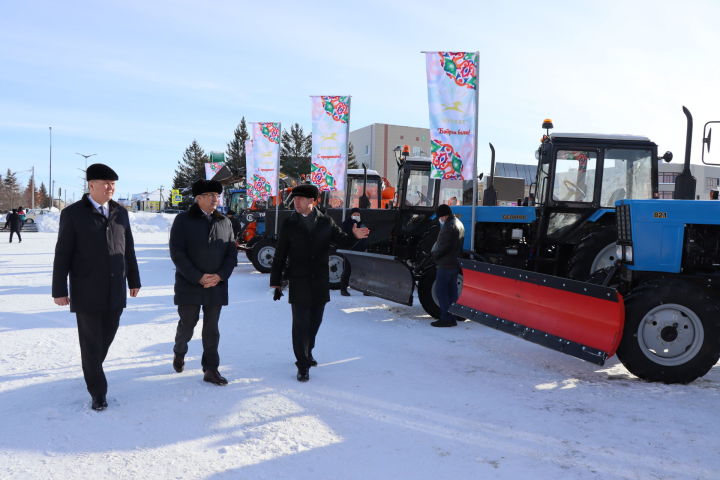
(426, 292)
(336, 265)
(595, 251)
(261, 255)
(671, 333)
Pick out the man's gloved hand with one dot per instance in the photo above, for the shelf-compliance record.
(278, 294)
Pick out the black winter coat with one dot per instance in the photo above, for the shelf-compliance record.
(306, 254)
(197, 247)
(13, 220)
(347, 226)
(449, 244)
(99, 255)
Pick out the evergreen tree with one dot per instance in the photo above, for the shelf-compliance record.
(11, 190)
(235, 154)
(27, 196)
(43, 199)
(352, 161)
(191, 168)
(295, 152)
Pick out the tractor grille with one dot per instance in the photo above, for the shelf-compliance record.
(623, 225)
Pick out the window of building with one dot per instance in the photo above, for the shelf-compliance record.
(711, 182)
(367, 149)
(668, 177)
(417, 139)
(402, 137)
(416, 151)
(666, 195)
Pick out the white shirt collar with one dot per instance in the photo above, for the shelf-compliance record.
(97, 205)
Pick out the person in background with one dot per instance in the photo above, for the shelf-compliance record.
(21, 213)
(445, 252)
(13, 220)
(95, 248)
(713, 194)
(235, 222)
(202, 247)
(354, 220)
(302, 252)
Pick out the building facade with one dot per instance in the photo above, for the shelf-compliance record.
(707, 178)
(373, 145)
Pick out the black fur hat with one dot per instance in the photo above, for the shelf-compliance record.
(99, 171)
(205, 186)
(305, 190)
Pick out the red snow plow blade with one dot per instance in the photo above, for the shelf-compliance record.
(577, 318)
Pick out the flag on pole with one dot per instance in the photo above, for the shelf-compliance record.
(452, 97)
(330, 125)
(258, 188)
(265, 152)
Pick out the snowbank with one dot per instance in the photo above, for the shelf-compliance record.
(144, 222)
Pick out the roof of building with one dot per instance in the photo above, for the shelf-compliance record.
(516, 170)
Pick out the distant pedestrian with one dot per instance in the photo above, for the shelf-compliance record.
(302, 252)
(21, 212)
(202, 247)
(15, 225)
(95, 247)
(445, 252)
(354, 220)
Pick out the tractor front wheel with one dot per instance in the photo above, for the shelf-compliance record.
(671, 333)
(595, 251)
(261, 255)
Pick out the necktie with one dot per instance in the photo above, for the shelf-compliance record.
(101, 209)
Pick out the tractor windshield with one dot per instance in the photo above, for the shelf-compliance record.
(627, 173)
(372, 192)
(419, 189)
(574, 176)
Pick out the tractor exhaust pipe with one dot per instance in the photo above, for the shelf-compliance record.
(490, 195)
(685, 183)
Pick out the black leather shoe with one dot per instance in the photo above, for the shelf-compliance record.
(99, 403)
(303, 375)
(313, 362)
(213, 376)
(179, 363)
(441, 323)
(344, 292)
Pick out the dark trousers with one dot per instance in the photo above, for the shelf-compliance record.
(18, 234)
(345, 277)
(96, 331)
(446, 291)
(189, 316)
(306, 323)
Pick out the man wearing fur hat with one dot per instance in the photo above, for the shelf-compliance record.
(95, 248)
(202, 247)
(302, 253)
(445, 252)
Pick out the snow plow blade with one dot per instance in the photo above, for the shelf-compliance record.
(577, 318)
(381, 276)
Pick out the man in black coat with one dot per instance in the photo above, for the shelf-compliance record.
(202, 247)
(13, 221)
(445, 252)
(354, 220)
(95, 247)
(302, 254)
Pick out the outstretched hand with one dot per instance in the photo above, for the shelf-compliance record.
(360, 233)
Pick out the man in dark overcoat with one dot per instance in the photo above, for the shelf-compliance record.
(302, 253)
(445, 251)
(202, 247)
(95, 248)
(15, 224)
(353, 220)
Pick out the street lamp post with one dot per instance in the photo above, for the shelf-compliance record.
(85, 157)
(51, 192)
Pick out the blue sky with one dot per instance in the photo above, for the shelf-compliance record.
(136, 82)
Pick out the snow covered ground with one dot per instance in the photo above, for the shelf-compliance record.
(392, 397)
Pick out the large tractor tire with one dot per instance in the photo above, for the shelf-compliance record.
(426, 292)
(595, 251)
(671, 333)
(261, 255)
(336, 265)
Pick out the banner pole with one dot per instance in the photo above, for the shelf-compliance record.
(277, 182)
(347, 158)
(474, 169)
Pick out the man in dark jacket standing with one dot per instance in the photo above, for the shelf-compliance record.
(202, 247)
(304, 245)
(95, 247)
(354, 220)
(445, 252)
(15, 224)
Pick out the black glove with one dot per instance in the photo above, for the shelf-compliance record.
(278, 294)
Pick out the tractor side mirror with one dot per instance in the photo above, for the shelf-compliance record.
(707, 158)
(668, 156)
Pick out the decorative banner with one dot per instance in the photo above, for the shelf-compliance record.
(211, 169)
(452, 97)
(330, 125)
(262, 180)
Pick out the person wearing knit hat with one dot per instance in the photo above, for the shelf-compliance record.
(95, 248)
(301, 254)
(445, 252)
(202, 247)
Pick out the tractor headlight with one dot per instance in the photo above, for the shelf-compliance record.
(618, 251)
(511, 251)
(628, 253)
